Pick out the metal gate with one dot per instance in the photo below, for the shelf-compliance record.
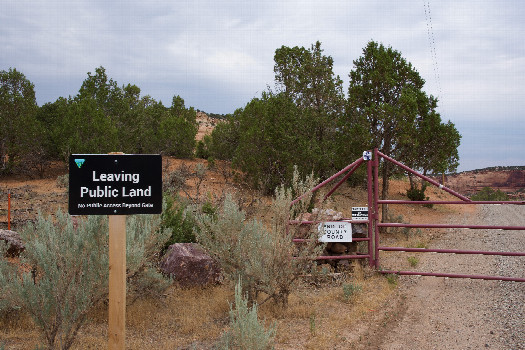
(373, 239)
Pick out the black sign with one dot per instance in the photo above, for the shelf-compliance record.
(114, 184)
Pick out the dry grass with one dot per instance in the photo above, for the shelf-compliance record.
(182, 317)
(321, 318)
(316, 317)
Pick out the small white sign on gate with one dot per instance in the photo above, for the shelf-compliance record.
(367, 155)
(335, 231)
(359, 213)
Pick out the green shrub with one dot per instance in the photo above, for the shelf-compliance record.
(488, 194)
(177, 218)
(203, 147)
(145, 237)
(67, 270)
(68, 275)
(261, 257)
(209, 209)
(416, 194)
(246, 331)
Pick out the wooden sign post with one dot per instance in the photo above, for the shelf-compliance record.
(117, 282)
(115, 185)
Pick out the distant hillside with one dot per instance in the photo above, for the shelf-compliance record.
(206, 124)
(510, 180)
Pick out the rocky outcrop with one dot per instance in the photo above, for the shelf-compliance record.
(510, 181)
(189, 265)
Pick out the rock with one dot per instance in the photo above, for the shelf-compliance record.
(189, 265)
(302, 230)
(13, 241)
(338, 248)
(359, 230)
(327, 214)
(317, 215)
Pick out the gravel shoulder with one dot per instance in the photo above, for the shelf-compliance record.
(443, 313)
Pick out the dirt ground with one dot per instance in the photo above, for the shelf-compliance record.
(443, 313)
(402, 313)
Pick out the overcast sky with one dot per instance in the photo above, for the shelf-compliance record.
(218, 55)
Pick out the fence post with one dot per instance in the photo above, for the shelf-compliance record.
(370, 214)
(117, 282)
(9, 210)
(376, 207)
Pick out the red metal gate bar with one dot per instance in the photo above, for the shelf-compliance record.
(395, 201)
(341, 257)
(342, 181)
(482, 227)
(426, 178)
(331, 178)
(299, 240)
(350, 221)
(450, 251)
(453, 275)
(375, 217)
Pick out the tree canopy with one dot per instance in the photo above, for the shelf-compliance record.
(103, 117)
(386, 101)
(20, 128)
(306, 121)
(294, 125)
(309, 122)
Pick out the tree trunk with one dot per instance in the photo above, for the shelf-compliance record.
(411, 180)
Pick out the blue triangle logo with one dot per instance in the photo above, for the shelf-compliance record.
(79, 162)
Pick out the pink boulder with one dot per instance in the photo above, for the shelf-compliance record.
(189, 265)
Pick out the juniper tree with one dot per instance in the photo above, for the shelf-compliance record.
(386, 106)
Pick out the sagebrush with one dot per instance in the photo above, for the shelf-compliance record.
(263, 257)
(246, 331)
(63, 271)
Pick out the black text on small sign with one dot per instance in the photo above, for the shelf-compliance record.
(335, 231)
(359, 213)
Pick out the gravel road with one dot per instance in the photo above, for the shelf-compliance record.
(440, 313)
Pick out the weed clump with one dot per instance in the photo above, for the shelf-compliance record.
(246, 331)
(349, 290)
(392, 279)
(413, 261)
